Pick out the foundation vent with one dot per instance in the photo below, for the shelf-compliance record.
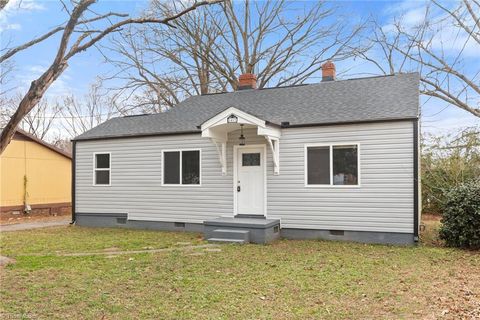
(179, 224)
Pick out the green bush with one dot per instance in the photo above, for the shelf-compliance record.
(461, 216)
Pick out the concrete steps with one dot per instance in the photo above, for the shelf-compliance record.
(229, 236)
(242, 230)
(226, 240)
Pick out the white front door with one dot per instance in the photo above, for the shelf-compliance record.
(250, 184)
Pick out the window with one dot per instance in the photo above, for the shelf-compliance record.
(319, 165)
(250, 159)
(102, 169)
(332, 165)
(345, 165)
(181, 167)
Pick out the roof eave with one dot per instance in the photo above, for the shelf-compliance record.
(173, 133)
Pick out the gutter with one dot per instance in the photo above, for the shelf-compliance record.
(140, 135)
(286, 124)
(74, 156)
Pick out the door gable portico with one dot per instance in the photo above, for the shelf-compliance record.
(231, 119)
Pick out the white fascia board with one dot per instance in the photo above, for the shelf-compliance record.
(242, 116)
(270, 132)
(215, 135)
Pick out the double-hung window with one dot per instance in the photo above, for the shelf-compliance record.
(181, 167)
(101, 168)
(332, 165)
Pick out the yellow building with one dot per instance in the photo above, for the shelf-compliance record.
(35, 177)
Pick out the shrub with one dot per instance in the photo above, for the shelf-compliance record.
(461, 216)
(447, 162)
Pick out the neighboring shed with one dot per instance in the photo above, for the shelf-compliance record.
(35, 178)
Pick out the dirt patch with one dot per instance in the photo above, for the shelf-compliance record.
(6, 260)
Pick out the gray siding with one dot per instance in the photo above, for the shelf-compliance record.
(136, 180)
(383, 202)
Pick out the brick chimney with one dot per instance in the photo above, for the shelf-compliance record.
(328, 71)
(247, 81)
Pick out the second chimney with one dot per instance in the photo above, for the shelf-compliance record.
(328, 71)
(247, 81)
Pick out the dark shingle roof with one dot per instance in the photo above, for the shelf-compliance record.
(355, 100)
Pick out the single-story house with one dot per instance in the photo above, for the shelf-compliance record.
(35, 178)
(332, 160)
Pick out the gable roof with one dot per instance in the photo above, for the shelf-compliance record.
(332, 102)
(23, 135)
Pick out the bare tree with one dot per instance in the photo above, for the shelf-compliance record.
(41, 119)
(283, 43)
(437, 48)
(79, 114)
(85, 35)
(3, 3)
(38, 122)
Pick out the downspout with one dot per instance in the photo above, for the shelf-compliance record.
(74, 155)
(415, 181)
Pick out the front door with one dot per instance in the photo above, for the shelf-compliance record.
(250, 186)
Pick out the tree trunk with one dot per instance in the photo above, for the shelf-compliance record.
(29, 101)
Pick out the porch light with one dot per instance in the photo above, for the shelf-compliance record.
(242, 138)
(232, 119)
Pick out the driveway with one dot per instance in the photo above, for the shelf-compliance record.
(34, 225)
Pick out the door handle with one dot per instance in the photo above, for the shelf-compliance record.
(238, 188)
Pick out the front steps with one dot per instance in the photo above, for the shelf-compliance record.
(230, 235)
(242, 230)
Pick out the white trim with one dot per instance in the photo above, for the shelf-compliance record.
(222, 154)
(274, 133)
(274, 144)
(221, 118)
(235, 175)
(180, 184)
(331, 185)
(102, 169)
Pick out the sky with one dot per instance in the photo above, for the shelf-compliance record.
(21, 23)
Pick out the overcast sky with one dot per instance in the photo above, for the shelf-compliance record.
(34, 17)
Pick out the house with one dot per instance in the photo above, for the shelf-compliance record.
(35, 178)
(331, 160)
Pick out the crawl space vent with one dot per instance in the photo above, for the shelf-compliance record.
(337, 232)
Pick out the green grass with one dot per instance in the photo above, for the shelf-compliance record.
(284, 280)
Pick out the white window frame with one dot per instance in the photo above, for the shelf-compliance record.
(95, 169)
(330, 146)
(180, 184)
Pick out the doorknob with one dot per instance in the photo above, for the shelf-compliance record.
(238, 188)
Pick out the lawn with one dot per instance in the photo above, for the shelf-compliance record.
(285, 280)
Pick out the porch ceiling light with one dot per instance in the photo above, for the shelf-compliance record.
(242, 138)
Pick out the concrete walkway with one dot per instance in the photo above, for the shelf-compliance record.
(34, 225)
